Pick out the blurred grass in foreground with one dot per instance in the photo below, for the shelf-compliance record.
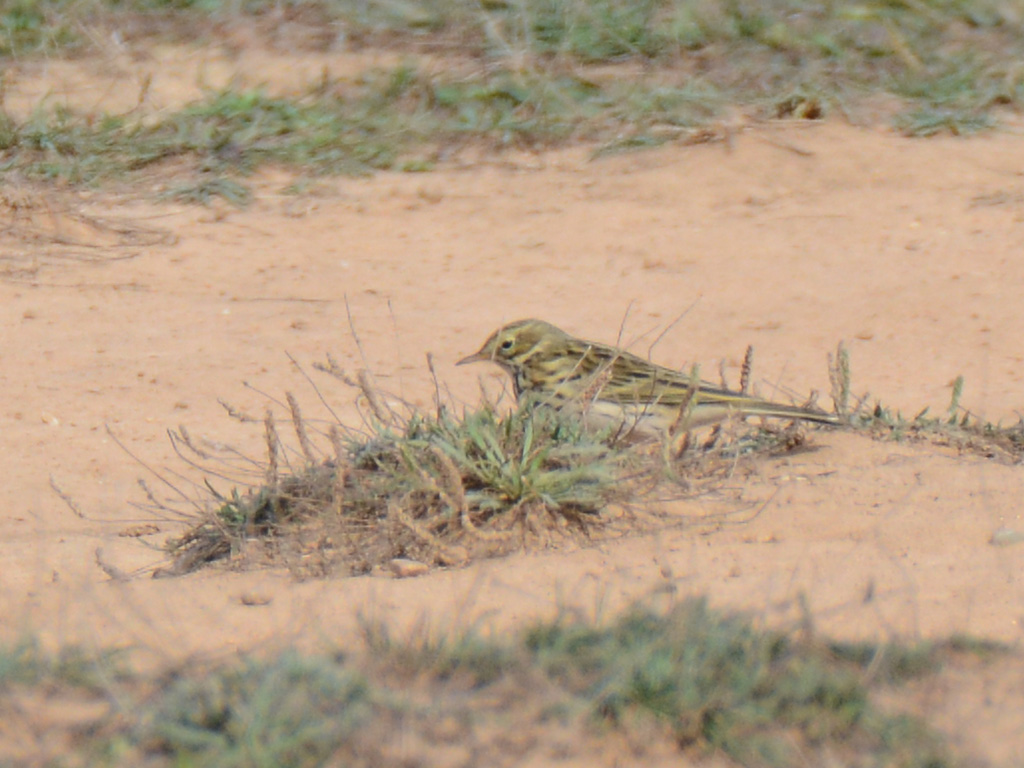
(686, 678)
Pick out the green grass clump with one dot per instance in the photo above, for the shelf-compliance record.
(226, 136)
(61, 144)
(600, 30)
(957, 96)
(533, 456)
(721, 684)
(434, 489)
(26, 663)
(293, 710)
(32, 27)
(465, 658)
(394, 119)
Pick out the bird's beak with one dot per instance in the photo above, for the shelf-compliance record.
(476, 357)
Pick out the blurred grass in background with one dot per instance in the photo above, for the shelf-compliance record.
(526, 73)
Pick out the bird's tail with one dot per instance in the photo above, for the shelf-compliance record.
(778, 410)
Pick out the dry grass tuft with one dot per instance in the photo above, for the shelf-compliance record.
(958, 427)
(41, 228)
(437, 489)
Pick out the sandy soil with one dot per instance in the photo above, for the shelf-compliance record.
(791, 238)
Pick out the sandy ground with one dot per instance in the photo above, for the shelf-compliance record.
(791, 238)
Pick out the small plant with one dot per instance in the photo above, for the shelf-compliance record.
(28, 663)
(958, 427)
(435, 489)
(28, 26)
(293, 710)
(930, 121)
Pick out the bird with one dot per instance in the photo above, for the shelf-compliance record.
(612, 387)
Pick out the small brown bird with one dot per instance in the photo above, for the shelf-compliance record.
(617, 387)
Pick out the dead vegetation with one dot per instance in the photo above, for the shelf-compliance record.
(958, 427)
(438, 489)
(41, 228)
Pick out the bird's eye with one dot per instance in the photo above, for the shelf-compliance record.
(507, 344)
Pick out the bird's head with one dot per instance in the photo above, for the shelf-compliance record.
(512, 345)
